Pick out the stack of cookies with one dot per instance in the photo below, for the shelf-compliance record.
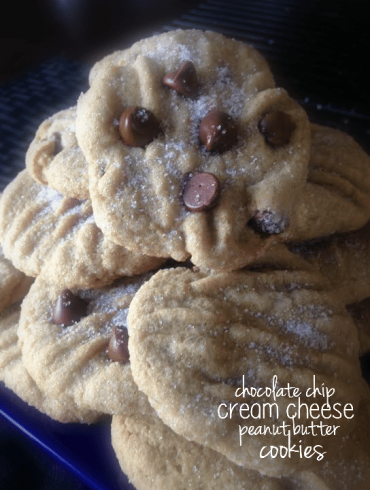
(184, 251)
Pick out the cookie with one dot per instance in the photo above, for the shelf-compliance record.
(337, 194)
(16, 377)
(55, 159)
(154, 457)
(188, 144)
(350, 468)
(43, 231)
(13, 283)
(14, 286)
(344, 259)
(74, 344)
(197, 340)
(206, 47)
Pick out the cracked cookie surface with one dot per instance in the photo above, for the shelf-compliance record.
(344, 259)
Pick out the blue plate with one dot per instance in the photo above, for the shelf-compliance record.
(84, 450)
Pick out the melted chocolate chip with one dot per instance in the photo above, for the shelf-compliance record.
(218, 131)
(118, 346)
(201, 191)
(277, 128)
(268, 222)
(69, 309)
(184, 80)
(138, 126)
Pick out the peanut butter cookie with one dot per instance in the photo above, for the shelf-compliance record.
(16, 377)
(154, 458)
(337, 195)
(55, 159)
(199, 341)
(41, 230)
(188, 145)
(74, 344)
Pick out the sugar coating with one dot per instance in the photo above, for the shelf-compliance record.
(137, 193)
(71, 363)
(44, 232)
(54, 157)
(194, 335)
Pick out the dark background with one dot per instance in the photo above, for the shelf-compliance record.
(318, 50)
(85, 29)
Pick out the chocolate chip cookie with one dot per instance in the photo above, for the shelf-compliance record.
(74, 344)
(14, 285)
(188, 144)
(16, 377)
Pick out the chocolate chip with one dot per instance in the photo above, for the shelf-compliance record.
(201, 191)
(268, 222)
(138, 126)
(218, 131)
(118, 346)
(69, 309)
(277, 128)
(184, 80)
